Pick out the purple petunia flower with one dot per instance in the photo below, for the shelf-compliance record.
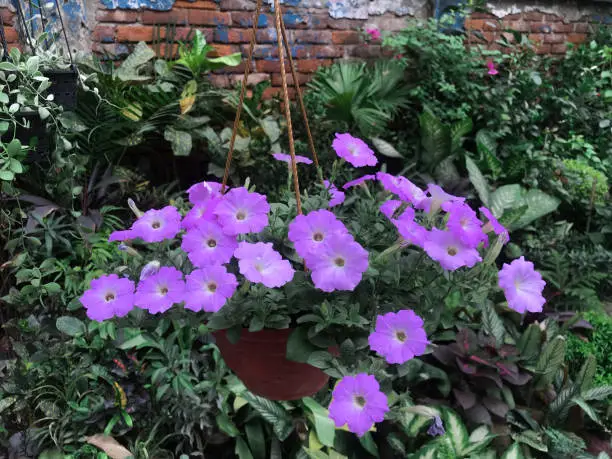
(410, 230)
(122, 235)
(262, 264)
(287, 158)
(464, 224)
(358, 402)
(207, 244)
(339, 265)
(201, 193)
(436, 428)
(209, 288)
(337, 196)
(494, 225)
(358, 181)
(403, 188)
(108, 296)
(438, 197)
(399, 337)
(522, 285)
(309, 232)
(242, 212)
(447, 249)
(157, 225)
(388, 208)
(200, 212)
(354, 150)
(158, 292)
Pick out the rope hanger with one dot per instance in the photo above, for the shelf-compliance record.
(281, 34)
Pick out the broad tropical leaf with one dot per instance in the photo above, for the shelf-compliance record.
(505, 197)
(458, 131)
(538, 204)
(550, 361)
(514, 452)
(180, 140)
(584, 380)
(385, 148)
(455, 430)
(492, 324)
(435, 138)
(128, 70)
(478, 180)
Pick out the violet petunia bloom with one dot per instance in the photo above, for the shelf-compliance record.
(399, 336)
(522, 285)
(310, 232)
(121, 235)
(207, 244)
(108, 296)
(337, 196)
(438, 197)
(403, 188)
(447, 249)
(410, 230)
(339, 265)
(158, 292)
(287, 158)
(436, 428)
(492, 69)
(242, 212)
(358, 403)
(388, 208)
(262, 264)
(157, 225)
(209, 288)
(200, 213)
(201, 193)
(358, 181)
(354, 150)
(494, 225)
(464, 224)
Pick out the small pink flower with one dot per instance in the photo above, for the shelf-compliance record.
(492, 69)
(374, 34)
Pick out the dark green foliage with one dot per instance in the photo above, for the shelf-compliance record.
(596, 342)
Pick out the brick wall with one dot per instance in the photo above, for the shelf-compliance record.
(10, 33)
(315, 38)
(549, 32)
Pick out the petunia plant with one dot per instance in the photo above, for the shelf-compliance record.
(368, 277)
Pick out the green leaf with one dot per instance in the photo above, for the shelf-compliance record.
(15, 166)
(514, 452)
(52, 287)
(385, 148)
(487, 147)
(226, 425)
(273, 413)
(8, 66)
(588, 409)
(129, 69)
(231, 60)
(531, 438)
(70, 326)
(136, 342)
(180, 140)
(478, 180)
(536, 78)
(6, 402)
(369, 444)
(427, 452)
(584, 380)
(550, 361)
(492, 324)
(14, 148)
(242, 449)
(530, 342)
(4, 98)
(505, 197)
(7, 175)
(256, 438)
(597, 393)
(455, 430)
(271, 128)
(43, 113)
(458, 131)
(299, 346)
(435, 138)
(324, 426)
(538, 204)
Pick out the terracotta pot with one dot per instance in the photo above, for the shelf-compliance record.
(258, 359)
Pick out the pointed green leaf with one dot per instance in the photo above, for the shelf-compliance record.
(538, 204)
(385, 148)
(514, 452)
(324, 426)
(242, 449)
(71, 326)
(588, 409)
(478, 180)
(458, 131)
(550, 361)
(505, 197)
(531, 438)
(492, 324)
(530, 342)
(597, 393)
(455, 430)
(180, 140)
(584, 380)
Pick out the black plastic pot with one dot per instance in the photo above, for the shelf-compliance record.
(33, 133)
(64, 84)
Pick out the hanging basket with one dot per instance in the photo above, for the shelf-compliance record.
(64, 85)
(259, 360)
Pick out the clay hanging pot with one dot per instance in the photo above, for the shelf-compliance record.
(258, 359)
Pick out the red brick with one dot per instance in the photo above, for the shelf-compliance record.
(346, 37)
(138, 33)
(489, 36)
(237, 5)
(490, 24)
(223, 50)
(117, 16)
(552, 18)
(366, 52)
(264, 66)
(537, 37)
(312, 65)
(8, 16)
(533, 16)
(269, 93)
(513, 17)
(581, 27)
(235, 35)
(266, 35)
(576, 37)
(327, 22)
(310, 36)
(166, 50)
(518, 26)
(540, 27)
(102, 33)
(207, 17)
(177, 16)
(245, 19)
(482, 15)
(554, 38)
(302, 79)
(508, 37)
(11, 35)
(560, 27)
(559, 49)
(221, 81)
(475, 24)
(254, 78)
(198, 5)
(322, 52)
(543, 49)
